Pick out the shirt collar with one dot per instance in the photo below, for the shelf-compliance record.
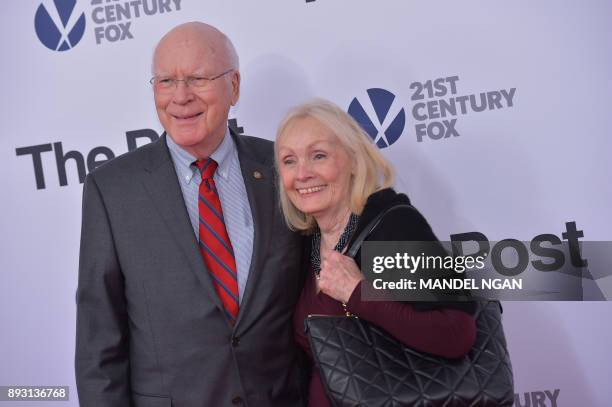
(183, 160)
(223, 154)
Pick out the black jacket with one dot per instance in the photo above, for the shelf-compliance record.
(403, 224)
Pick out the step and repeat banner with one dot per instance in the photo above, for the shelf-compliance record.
(495, 116)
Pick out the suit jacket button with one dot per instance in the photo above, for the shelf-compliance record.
(237, 400)
(235, 342)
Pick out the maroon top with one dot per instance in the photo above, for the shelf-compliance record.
(444, 332)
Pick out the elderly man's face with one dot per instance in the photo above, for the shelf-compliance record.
(196, 119)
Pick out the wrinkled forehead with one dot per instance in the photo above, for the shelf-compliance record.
(308, 132)
(189, 53)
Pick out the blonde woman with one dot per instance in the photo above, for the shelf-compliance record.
(332, 182)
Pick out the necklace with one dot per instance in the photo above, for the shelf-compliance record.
(315, 253)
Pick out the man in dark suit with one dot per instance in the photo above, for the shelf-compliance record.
(188, 276)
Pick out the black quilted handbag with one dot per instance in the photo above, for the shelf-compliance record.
(361, 365)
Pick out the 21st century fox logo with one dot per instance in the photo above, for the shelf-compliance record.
(437, 106)
(61, 24)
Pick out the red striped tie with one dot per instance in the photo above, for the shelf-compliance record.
(215, 245)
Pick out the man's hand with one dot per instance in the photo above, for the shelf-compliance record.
(339, 276)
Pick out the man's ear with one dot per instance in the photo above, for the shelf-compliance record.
(235, 87)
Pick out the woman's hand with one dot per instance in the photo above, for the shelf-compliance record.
(339, 276)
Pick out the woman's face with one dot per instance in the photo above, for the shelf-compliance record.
(315, 169)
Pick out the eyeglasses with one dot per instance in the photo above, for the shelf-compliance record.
(195, 83)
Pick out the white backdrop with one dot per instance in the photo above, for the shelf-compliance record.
(513, 172)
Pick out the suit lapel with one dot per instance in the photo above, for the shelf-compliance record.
(258, 176)
(161, 182)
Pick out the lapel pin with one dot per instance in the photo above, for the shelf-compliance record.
(257, 175)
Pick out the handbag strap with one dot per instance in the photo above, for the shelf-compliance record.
(367, 231)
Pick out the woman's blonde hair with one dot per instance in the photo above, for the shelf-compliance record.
(372, 171)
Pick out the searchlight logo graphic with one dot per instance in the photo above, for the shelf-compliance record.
(383, 120)
(436, 108)
(60, 24)
(57, 27)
